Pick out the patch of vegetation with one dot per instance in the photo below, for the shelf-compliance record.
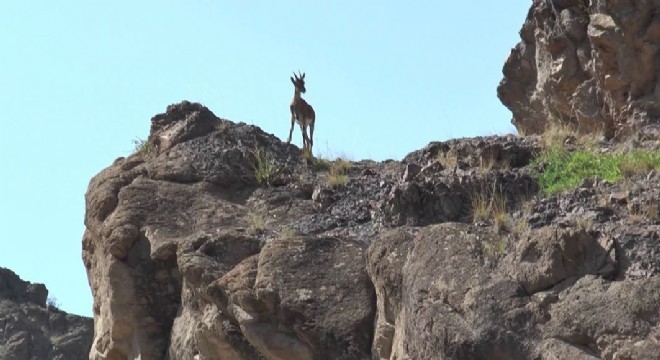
(520, 227)
(392, 165)
(338, 173)
(142, 146)
(489, 161)
(556, 135)
(307, 155)
(638, 162)
(340, 165)
(644, 211)
(584, 223)
(52, 303)
(320, 164)
(221, 125)
(263, 166)
(337, 180)
(256, 223)
(494, 249)
(501, 220)
(447, 160)
(480, 207)
(287, 233)
(562, 169)
(490, 205)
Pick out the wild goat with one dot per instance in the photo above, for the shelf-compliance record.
(302, 112)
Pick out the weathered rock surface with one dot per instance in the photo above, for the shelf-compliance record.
(30, 329)
(189, 257)
(589, 64)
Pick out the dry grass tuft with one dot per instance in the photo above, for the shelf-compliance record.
(520, 227)
(320, 164)
(263, 164)
(490, 206)
(638, 162)
(556, 135)
(501, 221)
(591, 140)
(338, 173)
(645, 211)
(287, 233)
(143, 147)
(256, 223)
(307, 155)
(221, 126)
(584, 223)
(495, 249)
(447, 160)
(489, 161)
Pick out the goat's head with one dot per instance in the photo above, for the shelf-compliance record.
(299, 82)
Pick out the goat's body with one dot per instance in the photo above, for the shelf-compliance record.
(303, 114)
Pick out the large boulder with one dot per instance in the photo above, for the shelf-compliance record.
(171, 227)
(33, 328)
(547, 299)
(591, 65)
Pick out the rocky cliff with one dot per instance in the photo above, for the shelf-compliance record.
(31, 329)
(216, 240)
(589, 64)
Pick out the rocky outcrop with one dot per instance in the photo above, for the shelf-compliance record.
(436, 299)
(589, 64)
(33, 328)
(190, 257)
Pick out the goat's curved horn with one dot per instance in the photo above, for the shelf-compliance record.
(295, 76)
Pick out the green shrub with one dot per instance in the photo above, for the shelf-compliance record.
(142, 146)
(263, 166)
(566, 170)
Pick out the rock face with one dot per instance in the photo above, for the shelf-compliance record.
(589, 64)
(31, 330)
(189, 257)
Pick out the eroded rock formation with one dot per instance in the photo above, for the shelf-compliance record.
(32, 329)
(589, 64)
(189, 257)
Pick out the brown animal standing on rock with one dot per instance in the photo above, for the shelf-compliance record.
(302, 112)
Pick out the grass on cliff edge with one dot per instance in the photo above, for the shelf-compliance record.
(263, 164)
(142, 146)
(566, 170)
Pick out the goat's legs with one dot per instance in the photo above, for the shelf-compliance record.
(311, 137)
(293, 122)
(303, 129)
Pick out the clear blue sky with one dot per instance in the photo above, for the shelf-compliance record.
(79, 80)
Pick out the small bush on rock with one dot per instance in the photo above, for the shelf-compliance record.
(338, 175)
(263, 166)
(142, 146)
